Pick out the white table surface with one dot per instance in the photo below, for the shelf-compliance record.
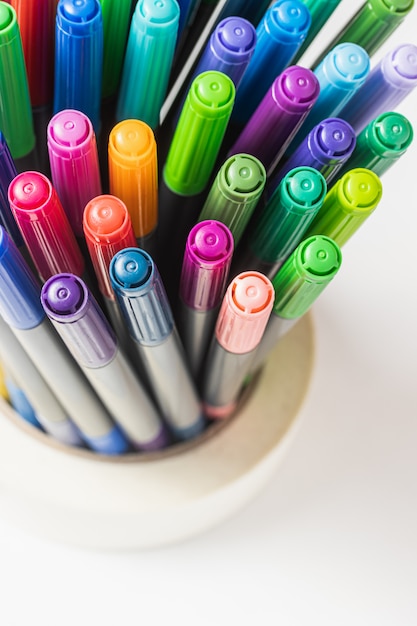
(332, 539)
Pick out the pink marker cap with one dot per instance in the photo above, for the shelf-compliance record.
(207, 258)
(244, 312)
(74, 162)
(44, 225)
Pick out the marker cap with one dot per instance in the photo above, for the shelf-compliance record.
(235, 193)
(244, 312)
(133, 172)
(389, 135)
(116, 19)
(199, 133)
(44, 225)
(296, 89)
(148, 60)
(207, 259)
(22, 307)
(347, 205)
(66, 300)
(331, 141)
(304, 275)
(233, 41)
(73, 158)
(16, 120)
(345, 67)
(136, 281)
(7, 173)
(399, 66)
(288, 213)
(390, 9)
(107, 229)
(287, 21)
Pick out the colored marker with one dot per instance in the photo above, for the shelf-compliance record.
(80, 323)
(133, 176)
(279, 116)
(20, 403)
(284, 221)
(16, 121)
(372, 24)
(108, 229)
(235, 193)
(297, 285)
(143, 301)
(148, 60)
(190, 161)
(320, 11)
(279, 35)
(387, 84)
(7, 174)
(3, 389)
(347, 205)
(341, 73)
(79, 58)
(74, 163)
(21, 309)
(49, 411)
(380, 144)
(241, 323)
(44, 225)
(116, 20)
(326, 148)
(205, 270)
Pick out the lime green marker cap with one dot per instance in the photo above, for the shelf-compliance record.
(288, 214)
(304, 275)
(16, 121)
(235, 193)
(199, 133)
(116, 19)
(347, 205)
(381, 143)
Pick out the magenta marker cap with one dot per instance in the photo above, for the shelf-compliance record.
(244, 312)
(73, 157)
(44, 225)
(207, 258)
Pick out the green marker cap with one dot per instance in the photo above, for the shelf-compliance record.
(235, 193)
(288, 214)
(116, 19)
(16, 121)
(199, 133)
(304, 275)
(347, 205)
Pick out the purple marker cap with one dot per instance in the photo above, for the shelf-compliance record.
(207, 258)
(67, 299)
(279, 115)
(331, 140)
(399, 66)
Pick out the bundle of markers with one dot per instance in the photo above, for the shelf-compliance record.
(175, 188)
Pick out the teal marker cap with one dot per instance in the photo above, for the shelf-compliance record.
(199, 133)
(304, 275)
(348, 204)
(288, 214)
(16, 121)
(235, 193)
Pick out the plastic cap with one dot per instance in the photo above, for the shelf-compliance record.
(243, 176)
(332, 138)
(399, 66)
(390, 9)
(359, 190)
(287, 21)
(107, 229)
(233, 40)
(346, 66)
(71, 132)
(133, 173)
(244, 312)
(207, 259)
(77, 17)
(141, 295)
(302, 188)
(390, 134)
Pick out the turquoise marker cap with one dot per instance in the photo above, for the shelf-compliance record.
(381, 143)
(16, 122)
(347, 205)
(199, 133)
(288, 214)
(148, 60)
(304, 275)
(235, 193)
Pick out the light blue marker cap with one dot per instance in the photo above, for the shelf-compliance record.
(20, 304)
(148, 61)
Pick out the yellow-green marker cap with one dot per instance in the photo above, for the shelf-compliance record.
(235, 193)
(347, 205)
(16, 121)
(304, 275)
(199, 133)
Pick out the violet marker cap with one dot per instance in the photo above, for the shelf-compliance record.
(279, 116)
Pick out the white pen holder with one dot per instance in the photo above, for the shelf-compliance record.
(147, 500)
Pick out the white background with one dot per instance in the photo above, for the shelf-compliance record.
(332, 539)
